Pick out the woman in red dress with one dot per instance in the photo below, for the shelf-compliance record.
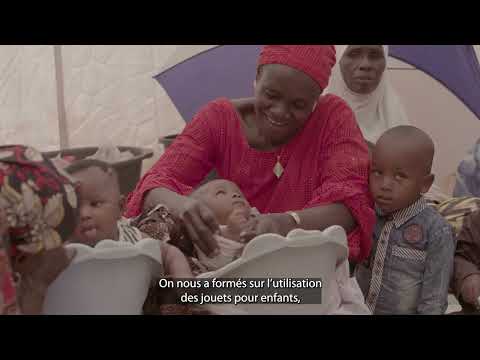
(299, 157)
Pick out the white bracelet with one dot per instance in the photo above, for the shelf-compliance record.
(295, 217)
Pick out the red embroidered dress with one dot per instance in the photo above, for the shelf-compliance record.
(327, 162)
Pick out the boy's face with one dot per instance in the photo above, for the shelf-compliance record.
(222, 197)
(100, 206)
(397, 177)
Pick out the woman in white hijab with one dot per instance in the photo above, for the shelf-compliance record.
(359, 77)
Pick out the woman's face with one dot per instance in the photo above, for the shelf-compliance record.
(362, 67)
(284, 100)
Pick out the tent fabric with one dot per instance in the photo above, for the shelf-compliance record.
(229, 71)
(455, 66)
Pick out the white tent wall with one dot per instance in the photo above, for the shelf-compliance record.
(28, 105)
(109, 96)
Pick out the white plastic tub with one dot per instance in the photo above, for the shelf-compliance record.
(111, 279)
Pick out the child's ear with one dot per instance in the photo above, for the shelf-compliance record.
(427, 183)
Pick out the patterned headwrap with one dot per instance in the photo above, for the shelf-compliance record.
(316, 61)
(39, 199)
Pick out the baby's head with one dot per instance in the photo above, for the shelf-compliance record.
(222, 197)
(100, 201)
(401, 168)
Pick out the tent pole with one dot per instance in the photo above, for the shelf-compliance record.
(62, 113)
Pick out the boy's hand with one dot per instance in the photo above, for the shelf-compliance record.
(470, 291)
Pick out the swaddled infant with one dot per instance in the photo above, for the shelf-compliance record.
(232, 212)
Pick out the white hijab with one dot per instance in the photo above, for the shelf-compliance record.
(375, 112)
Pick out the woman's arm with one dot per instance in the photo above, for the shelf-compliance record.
(37, 272)
(198, 219)
(344, 181)
(173, 201)
(316, 218)
(182, 167)
(321, 217)
(184, 164)
(31, 297)
(175, 263)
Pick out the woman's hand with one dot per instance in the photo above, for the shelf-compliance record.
(201, 225)
(280, 224)
(175, 263)
(470, 291)
(199, 220)
(237, 220)
(37, 273)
